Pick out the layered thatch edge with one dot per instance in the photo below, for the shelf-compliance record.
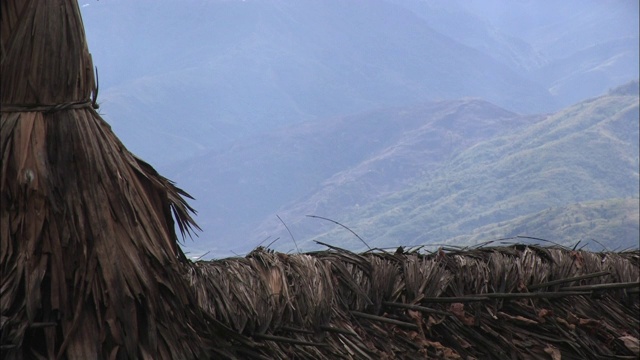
(524, 302)
(89, 259)
(87, 254)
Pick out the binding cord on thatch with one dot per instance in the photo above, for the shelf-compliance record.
(47, 108)
(89, 260)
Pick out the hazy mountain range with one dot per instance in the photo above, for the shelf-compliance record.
(180, 77)
(409, 121)
(426, 174)
(584, 153)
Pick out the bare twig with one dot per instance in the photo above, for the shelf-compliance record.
(287, 340)
(290, 234)
(337, 223)
(562, 281)
(384, 319)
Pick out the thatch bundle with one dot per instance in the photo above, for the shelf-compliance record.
(88, 253)
(90, 265)
(520, 302)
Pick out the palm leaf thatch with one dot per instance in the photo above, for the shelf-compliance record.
(89, 257)
(91, 268)
(520, 302)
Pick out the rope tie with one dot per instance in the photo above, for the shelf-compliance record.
(87, 103)
(47, 108)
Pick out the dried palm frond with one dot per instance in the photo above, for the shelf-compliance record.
(493, 302)
(89, 256)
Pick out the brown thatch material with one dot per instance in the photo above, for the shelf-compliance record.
(89, 259)
(90, 265)
(521, 302)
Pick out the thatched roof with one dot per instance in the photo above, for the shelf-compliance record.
(91, 268)
(520, 302)
(89, 256)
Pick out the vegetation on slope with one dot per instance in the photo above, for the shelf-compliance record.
(588, 152)
(610, 224)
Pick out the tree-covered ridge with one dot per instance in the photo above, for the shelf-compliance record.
(585, 153)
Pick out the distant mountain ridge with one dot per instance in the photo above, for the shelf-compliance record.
(610, 224)
(370, 153)
(587, 152)
(180, 78)
(262, 108)
(237, 68)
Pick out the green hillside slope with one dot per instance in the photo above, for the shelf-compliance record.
(588, 152)
(611, 223)
(351, 159)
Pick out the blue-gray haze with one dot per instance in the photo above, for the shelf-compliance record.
(259, 108)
